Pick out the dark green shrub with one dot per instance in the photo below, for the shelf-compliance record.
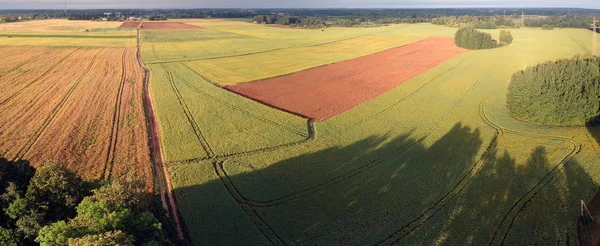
(564, 92)
(505, 37)
(547, 27)
(469, 38)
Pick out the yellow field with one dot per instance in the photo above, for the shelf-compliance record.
(66, 33)
(55, 26)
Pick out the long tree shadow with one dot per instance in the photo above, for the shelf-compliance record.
(460, 189)
(588, 228)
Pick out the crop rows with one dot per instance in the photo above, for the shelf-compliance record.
(81, 108)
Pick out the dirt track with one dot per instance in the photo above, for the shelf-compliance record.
(163, 181)
(327, 91)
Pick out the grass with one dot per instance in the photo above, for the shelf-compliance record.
(437, 160)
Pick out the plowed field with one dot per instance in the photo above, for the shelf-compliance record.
(132, 24)
(168, 25)
(327, 91)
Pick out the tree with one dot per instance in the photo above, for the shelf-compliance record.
(55, 192)
(564, 92)
(505, 37)
(55, 234)
(9, 237)
(109, 238)
(469, 38)
(116, 207)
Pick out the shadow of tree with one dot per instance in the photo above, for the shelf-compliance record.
(458, 190)
(589, 231)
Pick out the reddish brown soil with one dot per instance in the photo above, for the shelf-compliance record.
(324, 92)
(168, 25)
(130, 24)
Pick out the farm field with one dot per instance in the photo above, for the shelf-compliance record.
(65, 33)
(79, 105)
(327, 91)
(435, 160)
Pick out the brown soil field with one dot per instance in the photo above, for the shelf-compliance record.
(130, 24)
(168, 25)
(79, 107)
(324, 92)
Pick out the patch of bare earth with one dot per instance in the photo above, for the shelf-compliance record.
(324, 92)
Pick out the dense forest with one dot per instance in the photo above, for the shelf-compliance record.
(563, 92)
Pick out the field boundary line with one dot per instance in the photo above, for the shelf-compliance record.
(163, 181)
(36, 80)
(32, 140)
(114, 135)
(278, 49)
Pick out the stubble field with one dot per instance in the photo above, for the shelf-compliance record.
(78, 105)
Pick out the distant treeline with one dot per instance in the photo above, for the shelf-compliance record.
(478, 17)
(478, 22)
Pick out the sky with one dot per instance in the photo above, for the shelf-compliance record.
(141, 4)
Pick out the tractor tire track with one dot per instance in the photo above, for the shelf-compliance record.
(19, 66)
(277, 49)
(114, 135)
(581, 45)
(36, 135)
(311, 136)
(160, 169)
(35, 80)
(360, 169)
(252, 214)
(372, 116)
(199, 135)
(282, 126)
(526, 198)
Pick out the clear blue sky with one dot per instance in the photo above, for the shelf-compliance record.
(83, 4)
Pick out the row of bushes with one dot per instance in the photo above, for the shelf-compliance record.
(564, 92)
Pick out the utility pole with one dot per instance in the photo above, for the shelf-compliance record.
(522, 18)
(594, 37)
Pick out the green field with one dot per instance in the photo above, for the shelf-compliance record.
(437, 160)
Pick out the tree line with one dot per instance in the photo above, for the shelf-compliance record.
(477, 22)
(52, 206)
(563, 92)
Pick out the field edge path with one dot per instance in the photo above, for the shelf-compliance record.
(163, 181)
